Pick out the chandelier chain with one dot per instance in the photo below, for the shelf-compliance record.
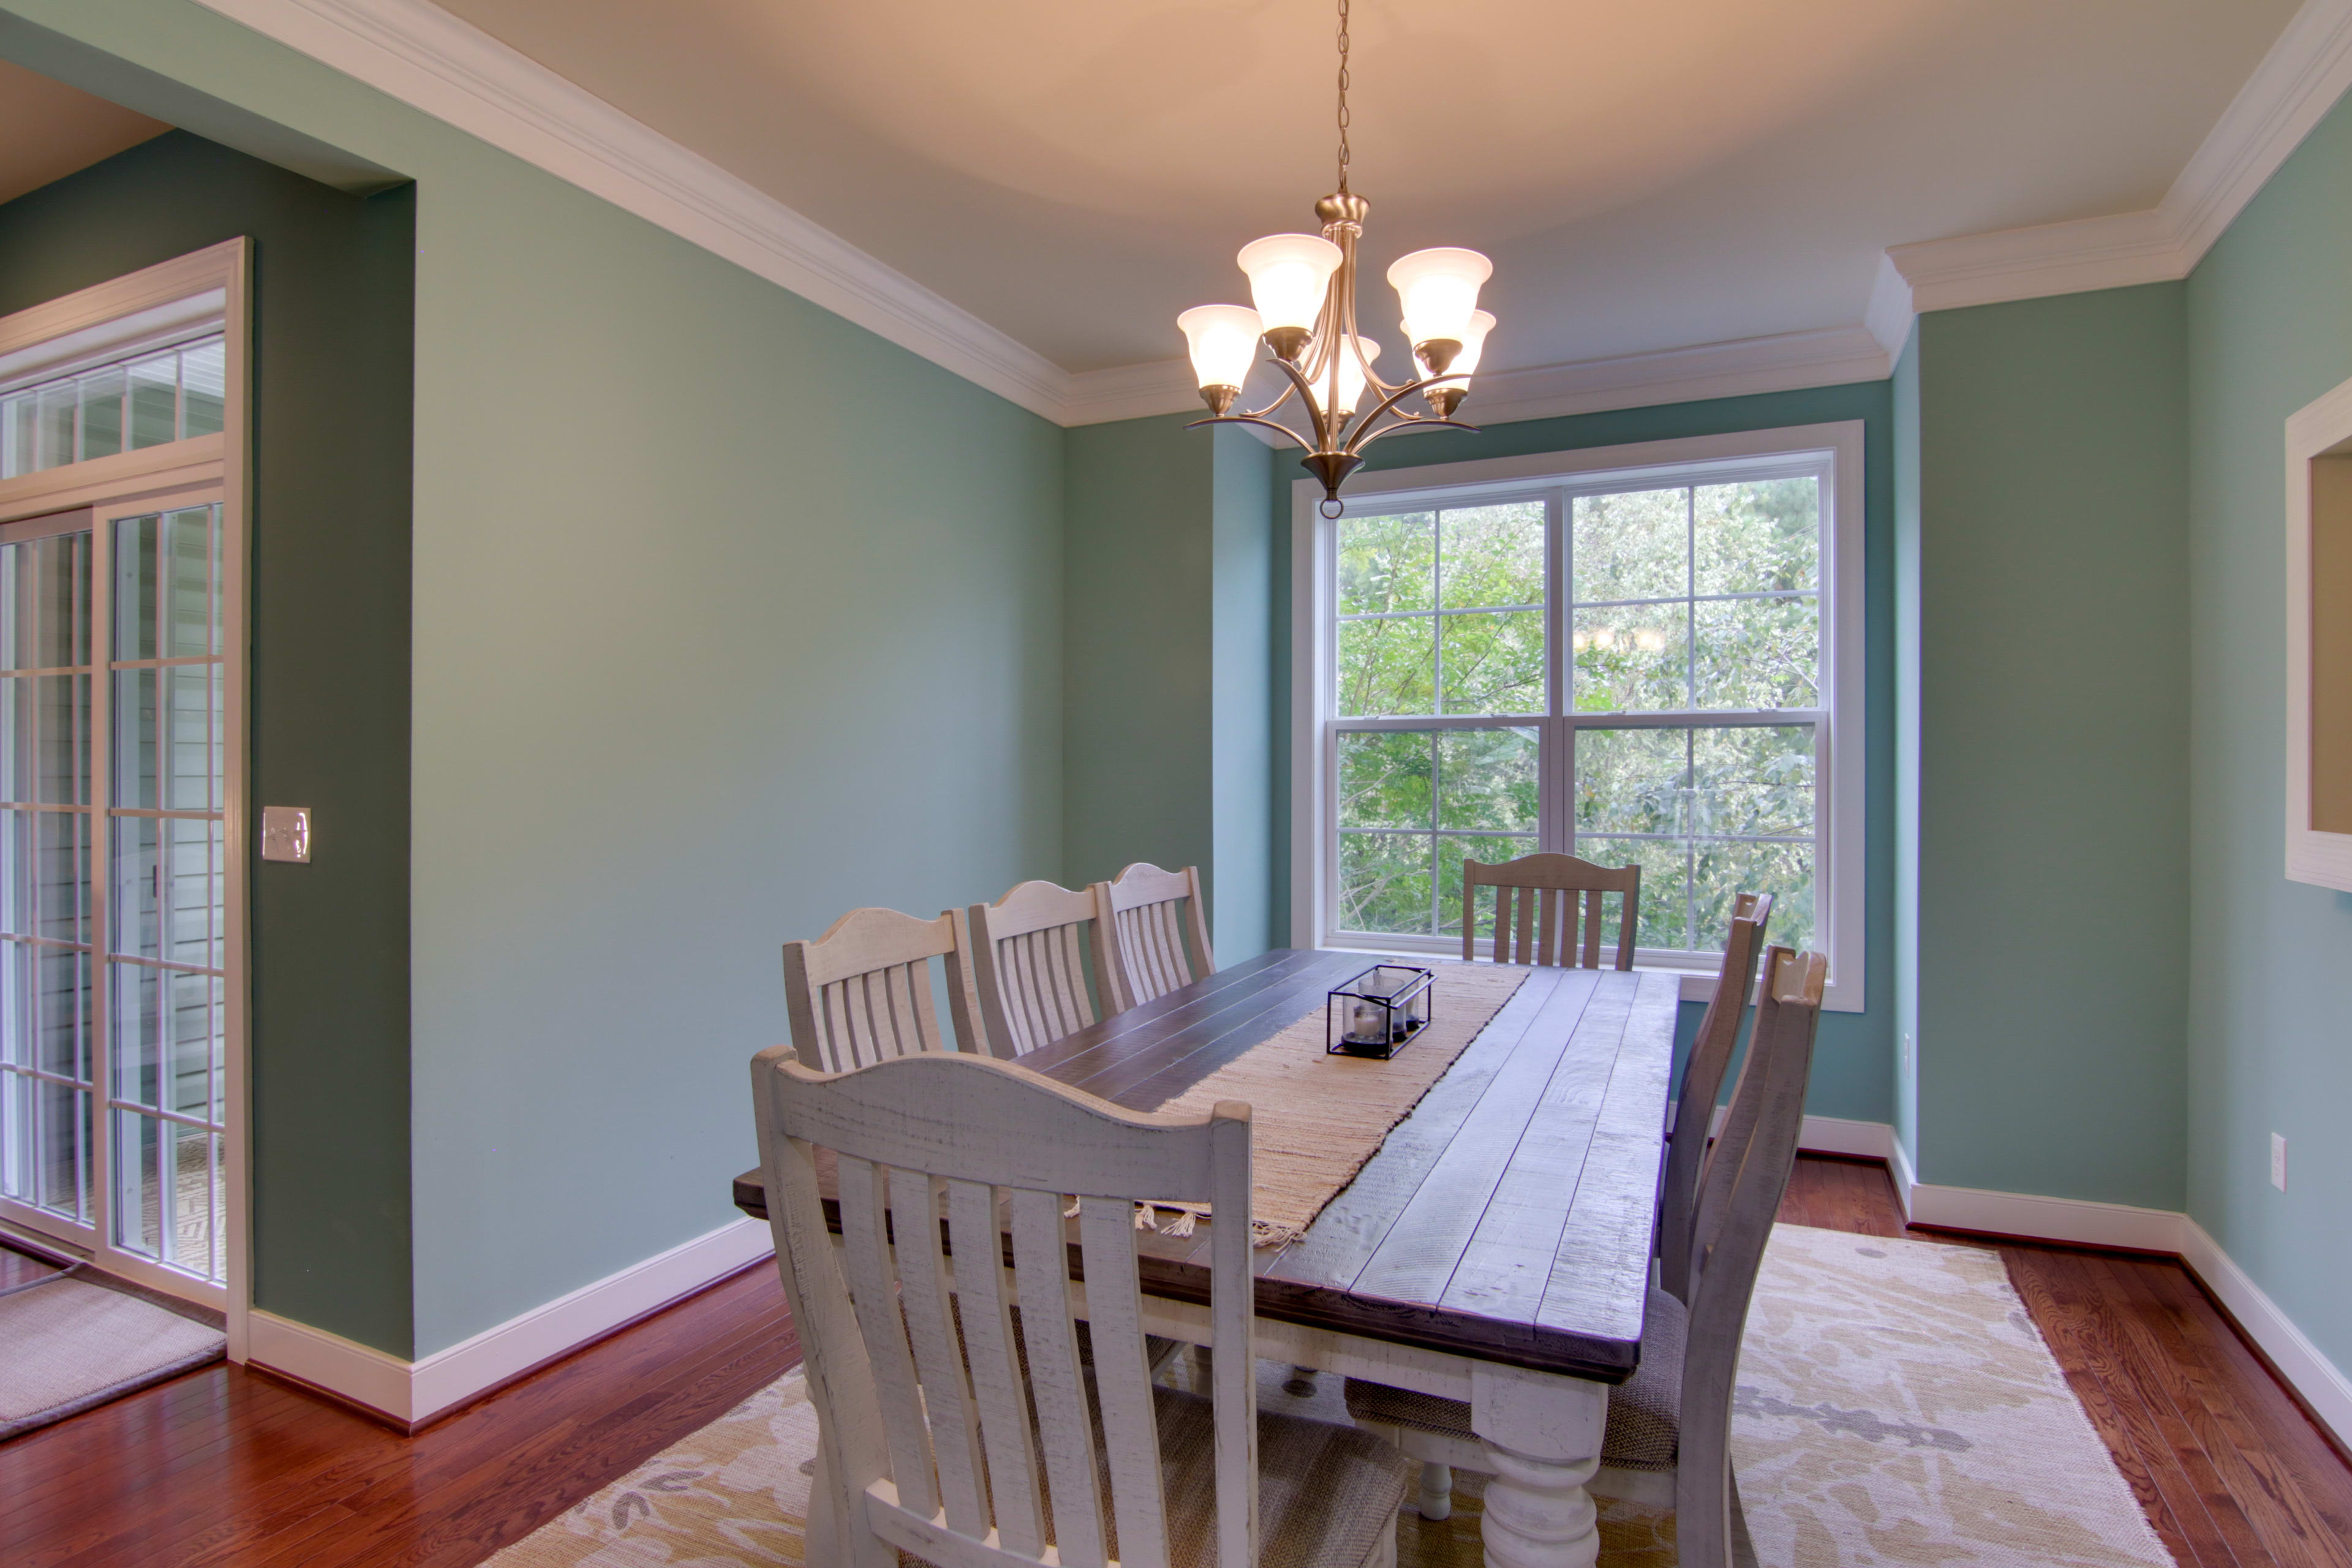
(1343, 97)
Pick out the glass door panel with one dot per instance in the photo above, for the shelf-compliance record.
(114, 941)
(47, 1067)
(166, 953)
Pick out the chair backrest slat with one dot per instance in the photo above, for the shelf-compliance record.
(1041, 1274)
(1028, 958)
(1535, 910)
(998, 1391)
(923, 1294)
(947, 1421)
(1702, 1083)
(861, 992)
(1740, 1194)
(873, 1284)
(1152, 935)
(1123, 1382)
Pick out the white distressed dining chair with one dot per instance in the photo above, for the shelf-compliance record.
(1153, 933)
(1668, 1438)
(952, 1391)
(1539, 925)
(1694, 1108)
(861, 992)
(1028, 956)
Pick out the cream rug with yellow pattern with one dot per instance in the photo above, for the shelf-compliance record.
(1896, 1405)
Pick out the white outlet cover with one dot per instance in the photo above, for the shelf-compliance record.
(2278, 1161)
(286, 833)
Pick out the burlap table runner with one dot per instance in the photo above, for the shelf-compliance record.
(1316, 1119)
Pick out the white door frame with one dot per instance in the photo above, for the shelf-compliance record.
(105, 320)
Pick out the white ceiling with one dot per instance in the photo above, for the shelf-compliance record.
(1076, 172)
(48, 130)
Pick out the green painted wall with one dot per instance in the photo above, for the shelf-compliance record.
(330, 691)
(1851, 1075)
(1167, 616)
(2270, 1049)
(728, 615)
(2051, 799)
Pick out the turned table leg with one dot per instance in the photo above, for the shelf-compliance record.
(1542, 1436)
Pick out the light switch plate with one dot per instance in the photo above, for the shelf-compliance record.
(286, 833)
(2278, 1161)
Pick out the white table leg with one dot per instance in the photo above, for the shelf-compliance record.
(1542, 1435)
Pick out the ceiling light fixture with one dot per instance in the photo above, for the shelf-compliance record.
(1304, 288)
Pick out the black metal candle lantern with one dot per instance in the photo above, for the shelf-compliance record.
(1378, 1011)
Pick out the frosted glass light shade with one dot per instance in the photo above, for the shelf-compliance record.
(1438, 289)
(1473, 341)
(1289, 275)
(1351, 376)
(1224, 342)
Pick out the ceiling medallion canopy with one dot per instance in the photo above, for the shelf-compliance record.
(1304, 288)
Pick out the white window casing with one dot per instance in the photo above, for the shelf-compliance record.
(1833, 452)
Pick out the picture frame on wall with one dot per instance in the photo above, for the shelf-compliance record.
(2319, 641)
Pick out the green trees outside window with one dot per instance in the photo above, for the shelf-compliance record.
(1631, 675)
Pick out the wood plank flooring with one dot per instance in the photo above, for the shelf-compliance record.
(225, 1468)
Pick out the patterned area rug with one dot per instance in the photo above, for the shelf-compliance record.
(1896, 1405)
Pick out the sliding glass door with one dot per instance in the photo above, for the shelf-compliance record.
(114, 928)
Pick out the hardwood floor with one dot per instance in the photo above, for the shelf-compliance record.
(225, 1468)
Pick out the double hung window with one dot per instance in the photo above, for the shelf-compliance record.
(1643, 656)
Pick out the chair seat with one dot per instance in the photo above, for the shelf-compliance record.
(1328, 1495)
(1644, 1411)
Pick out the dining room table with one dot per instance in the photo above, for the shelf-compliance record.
(1494, 1251)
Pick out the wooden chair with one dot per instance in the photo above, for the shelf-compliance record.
(953, 1417)
(861, 992)
(1543, 929)
(1141, 938)
(1668, 1438)
(1694, 1109)
(1028, 956)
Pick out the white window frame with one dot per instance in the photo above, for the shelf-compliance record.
(1841, 747)
(203, 290)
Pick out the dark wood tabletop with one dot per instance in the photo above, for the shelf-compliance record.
(1509, 1217)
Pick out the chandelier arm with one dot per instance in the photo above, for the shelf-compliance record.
(1253, 419)
(1306, 394)
(1412, 422)
(1269, 408)
(1389, 406)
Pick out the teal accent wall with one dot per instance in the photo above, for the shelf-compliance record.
(329, 567)
(2270, 992)
(728, 615)
(1852, 1065)
(2052, 601)
(1905, 390)
(1166, 707)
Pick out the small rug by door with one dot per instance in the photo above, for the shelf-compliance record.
(1896, 1406)
(66, 1344)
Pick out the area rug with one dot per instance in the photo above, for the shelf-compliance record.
(1896, 1406)
(66, 1344)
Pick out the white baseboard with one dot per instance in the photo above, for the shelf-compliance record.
(1898, 1166)
(2321, 1384)
(1831, 1135)
(2072, 1220)
(411, 1392)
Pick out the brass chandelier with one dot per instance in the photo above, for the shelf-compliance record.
(1304, 288)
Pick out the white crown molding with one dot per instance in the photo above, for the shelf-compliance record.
(450, 70)
(1826, 357)
(410, 1393)
(2297, 82)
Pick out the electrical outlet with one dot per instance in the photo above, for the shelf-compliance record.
(286, 833)
(1910, 1053)
(2278, 1161)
